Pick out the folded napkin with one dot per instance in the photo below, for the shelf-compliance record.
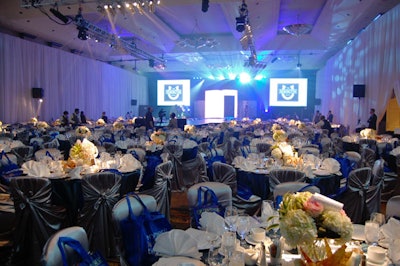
(212, 222)
(248, 166)
(36, 169)
(331, 165)
(128, 163)
(203, 239)
(178, 261)
(238, 161)
(176, 242)
(391, 234)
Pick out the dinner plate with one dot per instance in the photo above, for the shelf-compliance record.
(358, 232)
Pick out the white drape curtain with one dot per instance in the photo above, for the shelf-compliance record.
(373, 59)
(69, 81)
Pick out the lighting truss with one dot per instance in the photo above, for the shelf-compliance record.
(102, 35)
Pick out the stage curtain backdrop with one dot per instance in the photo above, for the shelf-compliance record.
(69, 81)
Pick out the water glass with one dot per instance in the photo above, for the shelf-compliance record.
(228, 243)
(379, 218)
(267, 209)
(237, 259)
(231, 214)
(214, 257)
(371, 231)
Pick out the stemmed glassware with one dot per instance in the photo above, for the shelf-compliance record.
(228, 245)
(242, 227)
(231, 214)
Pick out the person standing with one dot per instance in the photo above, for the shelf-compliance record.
(317, 117)
(372, 119)
(173, 123)
(75, 119)
(65, 119)
(149, 118)
(83, 118)
(104, 117)
(330, 116)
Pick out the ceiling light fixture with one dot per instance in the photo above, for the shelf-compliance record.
(197, 41)
(298, 29)
(132, 6)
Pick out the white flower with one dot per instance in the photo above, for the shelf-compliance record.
(100, 122)
(276, 153)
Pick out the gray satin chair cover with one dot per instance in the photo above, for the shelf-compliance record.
(161, 190)
(175, 152)
(190, 172)
(36, 218)
(370, 142)
(23, 153)
(375, 189)
(231, 149)
(355, 197)
(326, 147)
(222, 191)
(393, 207)
(100, 193)
(277, 176)
(263, 148)
(51, 253)
(225, 173)
(121, 211)
(368, 157)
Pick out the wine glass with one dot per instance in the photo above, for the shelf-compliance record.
(231, 214)
(371, 231)
(242, 227)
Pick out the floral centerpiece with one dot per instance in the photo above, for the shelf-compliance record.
(304, 218)
(279, 135)
(159, 137)
(83, 152)
(100, 122)
(42, 125)
(257, 121)
(83, 131)
(118, 125)
(33, 120)
(368, 133)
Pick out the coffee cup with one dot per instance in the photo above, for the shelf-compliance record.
(376, 254)
(258, 234)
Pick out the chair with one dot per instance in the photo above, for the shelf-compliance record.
(120, 211)
(277, 176)
(23, 153)
(100, 193)
(371, 143)
(326, 147)
(51, 153)
(7, 218)
(161, 190)
(263, 148)
(191, 172)
(374, 191)
(354, 157)
(355, 197)
(225, 173)
(368, 157)
(51, 253)
(283, 188)
(393, 207)
(36, 219)
(222, 191)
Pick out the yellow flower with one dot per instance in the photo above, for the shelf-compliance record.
(118, 125)
(100, 122)
(83, 131)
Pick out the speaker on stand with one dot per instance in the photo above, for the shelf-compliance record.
(359, 91)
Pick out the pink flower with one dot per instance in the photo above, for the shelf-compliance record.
(313, 208)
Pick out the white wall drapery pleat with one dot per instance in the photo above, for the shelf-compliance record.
(69, 81)
(373, 59)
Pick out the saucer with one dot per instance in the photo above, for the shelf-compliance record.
(249, 239)
(373, 263)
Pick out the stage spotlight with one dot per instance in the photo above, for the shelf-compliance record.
(240, 23)
(82, 33)
(60, 16)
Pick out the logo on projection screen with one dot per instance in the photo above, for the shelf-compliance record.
(288, 92)
(173, 93)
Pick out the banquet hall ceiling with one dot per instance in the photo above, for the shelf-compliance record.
(137, 40)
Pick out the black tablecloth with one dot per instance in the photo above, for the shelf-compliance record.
(258, 183)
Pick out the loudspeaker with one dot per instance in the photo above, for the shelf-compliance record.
(133, 102)
(37, 93)
(359, 91)
(317, 101)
